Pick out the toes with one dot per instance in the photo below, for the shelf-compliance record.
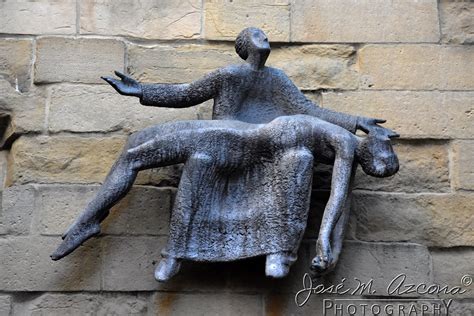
(74, 238)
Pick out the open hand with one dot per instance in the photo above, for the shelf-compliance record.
(370, 125)
(126, 85)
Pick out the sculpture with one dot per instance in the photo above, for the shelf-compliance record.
(246, 182)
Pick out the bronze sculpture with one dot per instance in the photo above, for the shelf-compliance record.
(246, 182)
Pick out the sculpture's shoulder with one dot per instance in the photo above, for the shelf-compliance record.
(234, 70)
(278, 73)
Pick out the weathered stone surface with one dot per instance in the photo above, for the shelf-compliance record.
(66, 159)
(129, 263)
(449, 268)
(15, 62)
(417, 67)
(224, 20)
(462, 308)
(83, 304)
(3, 168)
(18, 206)
(101, 109)
(422, 114)
(314, 67)
(23, 112)
(25, 265)
(73, 159)
(77, 60)
(380, 262)
(364, 21)
(144, 211)
(178, 63)
(457, 21)
(146, 19)
(424, 167)
(440, 220)
(214, 304)
(5, 304)
(38, 17)
(463, 164)
(309, 66)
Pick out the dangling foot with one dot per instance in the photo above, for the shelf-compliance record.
(278, 264)
(74, 237)
(167, 268)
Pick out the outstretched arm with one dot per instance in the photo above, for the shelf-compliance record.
(295, 102)
(169, 95)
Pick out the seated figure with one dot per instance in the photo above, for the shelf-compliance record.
(249, 92)
(215, 220)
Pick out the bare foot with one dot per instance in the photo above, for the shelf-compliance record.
(278, 264)
(167, 268)
(74, 237)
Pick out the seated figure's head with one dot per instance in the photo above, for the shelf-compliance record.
(252, 41)
(376, 155)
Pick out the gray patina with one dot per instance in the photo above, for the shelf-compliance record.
(247, 176)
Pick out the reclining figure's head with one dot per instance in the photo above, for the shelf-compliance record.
(376, 155)
(252, 42)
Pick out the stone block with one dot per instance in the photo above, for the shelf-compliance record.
(129, 263)
(3, 168)
(65, 159)
(462, 308)
(463, 164)
(73, 159)
(416, 67)
(438, 220)
(143, 211)
(52, 304)
(101, 109)
(413, 114)
(145, 19)
(380, 262)
(16, 57)
(223, 20)
(453, 267)
(364, 21)
(5, 304)
(77, 59)
(313, 67)
(178, 63)
(424, 167)
(25, 266)
(214, 304)
(21, 112)
(38, 17)
(456, 19)
(18, 207)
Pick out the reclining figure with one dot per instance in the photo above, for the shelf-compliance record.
(214, 221)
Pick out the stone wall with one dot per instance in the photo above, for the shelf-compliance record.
(410, 62)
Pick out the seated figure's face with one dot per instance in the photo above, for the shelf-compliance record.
(252, 41)
(258, 40)
(377, 157)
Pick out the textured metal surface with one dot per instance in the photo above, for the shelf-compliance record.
(247, 177)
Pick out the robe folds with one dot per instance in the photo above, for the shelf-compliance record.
(223, 216)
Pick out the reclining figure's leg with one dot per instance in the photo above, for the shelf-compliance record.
(116, 185)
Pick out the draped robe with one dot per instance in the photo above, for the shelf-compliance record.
(222, 215)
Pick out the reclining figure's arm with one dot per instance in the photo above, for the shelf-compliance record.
(341, 178)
